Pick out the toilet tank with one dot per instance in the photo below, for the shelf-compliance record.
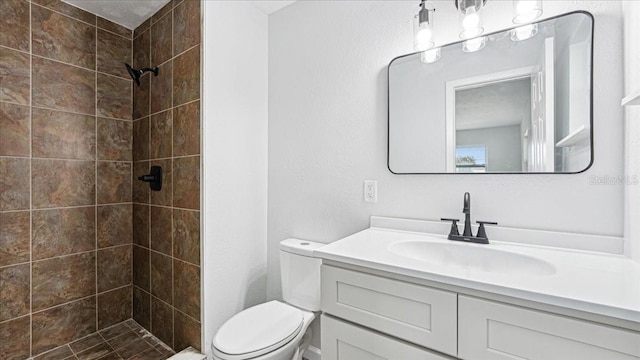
(300, 273)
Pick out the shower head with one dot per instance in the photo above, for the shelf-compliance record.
(135, 74)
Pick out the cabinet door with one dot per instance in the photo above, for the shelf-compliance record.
(344, 341)
(418, 314)
(495, 331)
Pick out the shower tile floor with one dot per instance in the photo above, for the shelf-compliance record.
(126, 340)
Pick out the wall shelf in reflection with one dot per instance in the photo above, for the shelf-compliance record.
(632, 100)
(576, 137)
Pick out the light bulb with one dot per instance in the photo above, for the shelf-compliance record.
(423, 39)
(474, 45)
(430, 56)
(470, 21)
(526, 11)
(524, 32)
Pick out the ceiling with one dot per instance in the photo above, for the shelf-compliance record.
(504, 103)
(132, 13)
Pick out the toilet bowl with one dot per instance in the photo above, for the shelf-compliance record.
(277, 330)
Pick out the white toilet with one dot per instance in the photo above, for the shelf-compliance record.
(277, 330)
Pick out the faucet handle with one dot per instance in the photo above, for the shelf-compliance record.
(454, 226)
(481, 233)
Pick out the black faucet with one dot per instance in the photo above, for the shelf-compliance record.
(467, 235)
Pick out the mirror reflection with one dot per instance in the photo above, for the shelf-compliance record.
(520, 104)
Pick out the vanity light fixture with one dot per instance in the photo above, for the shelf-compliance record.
(430, 56)
(524, 32)
(526, 11)
(470, 18)
(423, 28)
(475, 44)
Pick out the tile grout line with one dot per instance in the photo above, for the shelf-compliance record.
(30, 184)
(167, 304)
(133, 175)
(95, 166)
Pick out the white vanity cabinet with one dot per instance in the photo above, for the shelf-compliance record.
(374, 317)
(495, 331)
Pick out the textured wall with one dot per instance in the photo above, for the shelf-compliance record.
(328, 129)
(166, 133)
(65, 175)
(631, 13)
(234, 161)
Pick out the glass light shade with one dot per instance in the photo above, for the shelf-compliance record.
(524, 32)
(470, 18)
(473, 45)
(430, 56)
(423, 33)
(526, 11)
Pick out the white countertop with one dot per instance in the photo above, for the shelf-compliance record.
(597, 283)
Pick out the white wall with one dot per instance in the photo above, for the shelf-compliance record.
(234, 124)
(328, 129)
(631, 11)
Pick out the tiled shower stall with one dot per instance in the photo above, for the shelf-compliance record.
(84, 246)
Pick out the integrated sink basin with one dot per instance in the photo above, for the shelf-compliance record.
(477, 257)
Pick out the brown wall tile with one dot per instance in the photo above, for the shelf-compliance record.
(114, 97)
(63, 87)
(114, 182)
(186, 330)
(62, 38)
(15, 237)
(141, 50)
(161, 94)
(14, 291)
(161, 277)
(14, 27)
(115, 139)
(161, 229)
(14, 69)
(15, 130)
(14, 184)
(142, 307)
(141, 270)
(186, 129)
(141, 139)
(63, 135)
(186, 288)
(113, 52)
(63, 324)
(163, 197)
(59, 183)
(186, 235)
(115, 225)
(60, 280)
(186, 26)
(114, 267)
(105, 24)
(143, 27)
(141, 95)
(162, 321)
(158, 16)
(63, 232)
(114, 306)
(186, 178)
(140, 188)
(68, 10)
(141, 225)
(15, 336)
(186, 77)
(161, 130)
(161, 45)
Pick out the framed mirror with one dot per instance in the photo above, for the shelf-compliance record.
(515, 101)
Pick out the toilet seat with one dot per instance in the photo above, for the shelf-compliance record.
(258, 330)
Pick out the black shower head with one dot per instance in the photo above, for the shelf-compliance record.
(135, 74)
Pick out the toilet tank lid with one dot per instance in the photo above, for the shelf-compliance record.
(300, 247)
